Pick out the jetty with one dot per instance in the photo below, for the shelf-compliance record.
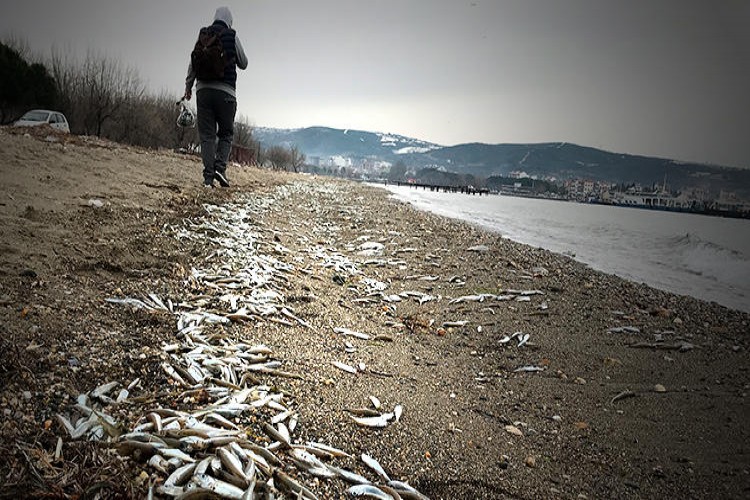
(446, 189)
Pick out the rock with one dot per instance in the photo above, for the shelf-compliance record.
(660, 388)
(530, 461)
(580, 381)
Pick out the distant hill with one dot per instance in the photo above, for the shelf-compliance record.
(558, 160)
(325, 142)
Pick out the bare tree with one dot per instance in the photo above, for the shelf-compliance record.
(296, 158)
(279, 157)
(109, 88)
(243, 133)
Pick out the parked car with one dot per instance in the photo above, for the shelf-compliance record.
(36, 117)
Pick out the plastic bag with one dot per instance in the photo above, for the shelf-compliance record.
(186, 117)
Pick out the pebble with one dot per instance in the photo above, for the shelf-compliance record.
(580, 380)
(512, 429)
(660, 388)
(530, 461)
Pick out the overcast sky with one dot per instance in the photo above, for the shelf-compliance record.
(668, 78)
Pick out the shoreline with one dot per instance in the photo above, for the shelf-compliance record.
(472, 426)
(583, 246)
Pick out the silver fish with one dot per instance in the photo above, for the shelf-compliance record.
(375, 402)
(344, 366)
(529, 369)
(103, 389)
(368, 491)
(402, 487)
(379, 421)
(276, 435)
(221, 488)
(448, 324)
(181, 475)
(375, 466)
(352, 333)
(397, 411)
(349, 476)
(330, 449)
(523, 339)
(231, 462)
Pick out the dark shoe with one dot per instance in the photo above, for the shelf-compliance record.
(223, 182)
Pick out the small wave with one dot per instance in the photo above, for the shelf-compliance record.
(690, 241)
(710, 260)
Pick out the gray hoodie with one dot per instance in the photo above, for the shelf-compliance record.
(225, 15)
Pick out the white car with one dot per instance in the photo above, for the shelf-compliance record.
(35, 117)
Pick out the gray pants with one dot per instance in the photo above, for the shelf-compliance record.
(216, 110)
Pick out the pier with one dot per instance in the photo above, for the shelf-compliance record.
(445, 189)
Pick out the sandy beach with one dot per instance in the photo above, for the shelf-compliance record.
(520, 373)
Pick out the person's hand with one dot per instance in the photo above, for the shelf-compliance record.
(188, 94)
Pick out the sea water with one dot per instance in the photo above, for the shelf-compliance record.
(688, 254)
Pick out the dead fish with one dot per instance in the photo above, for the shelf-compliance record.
(310, 463)
(155, 420)
(284, 431)
(175, 453)
(622, 395)
(369, 491)
(397, 411)
(344, 366)
(364, 412)
(349, 476)
(231, 462)
(122, 396)
(351, 333)
(624, 329)
(286, 483)
(425, 298)
(218, 419)
(221, 488)
(375, 402)
(103, 389)
(280, 417)
(448, 324)
(181, 475)
(173, 374)
(523, 339)
(471, 298)
(378, 421)
(375, 466)
(275, 435)
(402, 487)
(329, 449)
(529, 368)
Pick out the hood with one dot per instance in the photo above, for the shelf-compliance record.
(223, 14)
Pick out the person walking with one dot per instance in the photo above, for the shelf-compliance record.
(216, 96)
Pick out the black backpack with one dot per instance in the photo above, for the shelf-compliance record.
(208, 56)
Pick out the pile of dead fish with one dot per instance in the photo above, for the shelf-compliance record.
(240, 443)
